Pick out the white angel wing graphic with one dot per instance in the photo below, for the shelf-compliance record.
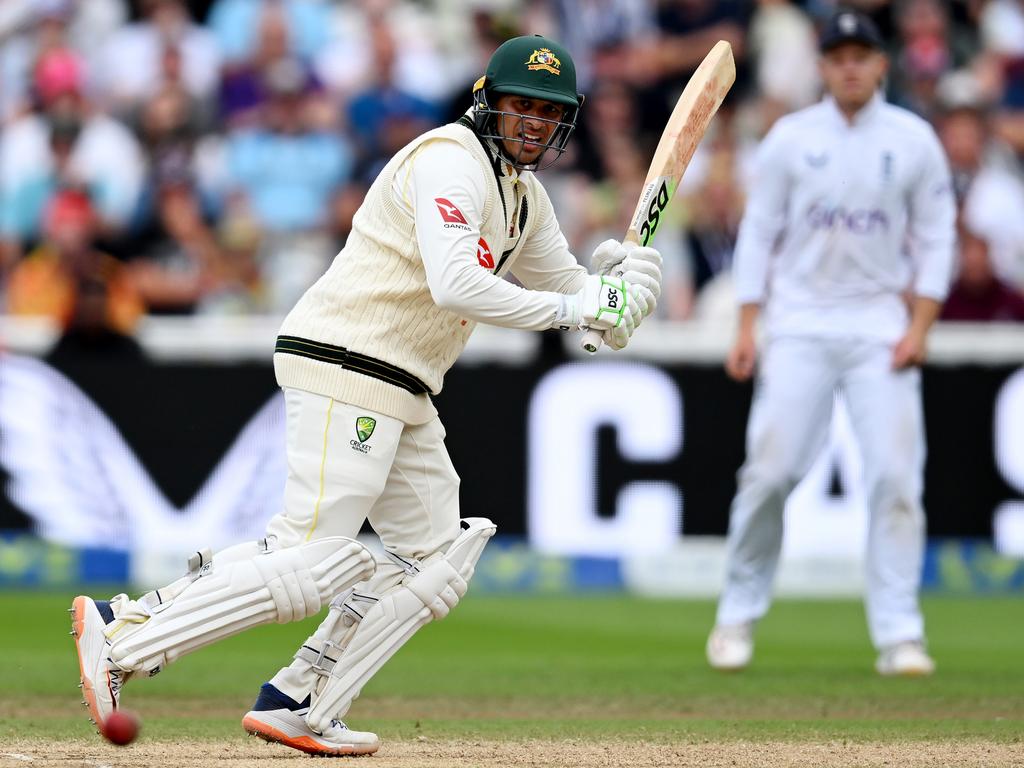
(73, 473)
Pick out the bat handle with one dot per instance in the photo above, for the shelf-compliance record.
(591, 341)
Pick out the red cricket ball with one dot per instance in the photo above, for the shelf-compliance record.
(121, 727)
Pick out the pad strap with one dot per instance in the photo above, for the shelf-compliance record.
(350, 608)
(432, 588)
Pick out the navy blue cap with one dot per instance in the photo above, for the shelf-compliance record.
(850, 27)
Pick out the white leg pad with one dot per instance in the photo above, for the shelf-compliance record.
(429, 594)
(242, 587)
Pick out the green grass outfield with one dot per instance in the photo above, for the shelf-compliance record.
(563, 667)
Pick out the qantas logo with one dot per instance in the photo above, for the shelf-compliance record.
(449, 212)
(483, 254)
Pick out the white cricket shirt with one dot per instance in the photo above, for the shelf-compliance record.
(438, 231)
(460, 275)
(842, 219)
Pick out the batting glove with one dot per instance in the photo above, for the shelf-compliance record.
(604, 302)
(637, 265)
(642, 270)
(606, 257)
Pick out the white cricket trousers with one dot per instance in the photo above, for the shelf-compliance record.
(400, 477)
(788, 427)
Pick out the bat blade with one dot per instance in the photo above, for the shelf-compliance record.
(684, 130)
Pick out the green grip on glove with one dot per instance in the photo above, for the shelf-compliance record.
(613, 299)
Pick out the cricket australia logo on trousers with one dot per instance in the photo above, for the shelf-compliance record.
(364, 428)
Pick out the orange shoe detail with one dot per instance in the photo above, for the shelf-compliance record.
(305, 744)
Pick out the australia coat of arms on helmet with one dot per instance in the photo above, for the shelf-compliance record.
(544, 59)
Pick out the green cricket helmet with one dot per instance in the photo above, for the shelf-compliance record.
(536, 67)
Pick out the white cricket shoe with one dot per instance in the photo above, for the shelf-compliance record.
(731, 646)
(906, 659)
(101, 679)
(281, 720)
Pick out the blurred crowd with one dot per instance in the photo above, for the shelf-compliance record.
(206, 157)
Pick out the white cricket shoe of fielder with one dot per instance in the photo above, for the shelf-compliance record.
(730, 646)
(906, 659)
(101, 678)
(281, 720)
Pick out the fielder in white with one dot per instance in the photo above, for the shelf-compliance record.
(846, 249)
(453, 213)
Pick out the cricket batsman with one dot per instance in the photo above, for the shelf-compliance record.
(846, 250)
(448, 218)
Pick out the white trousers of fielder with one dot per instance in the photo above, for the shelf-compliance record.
(400, 478)
(787, 429)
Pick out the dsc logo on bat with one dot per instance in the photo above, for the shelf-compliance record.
(654, 211)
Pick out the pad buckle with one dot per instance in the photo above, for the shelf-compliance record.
(410, 566)
(200, 562)
(323, 664)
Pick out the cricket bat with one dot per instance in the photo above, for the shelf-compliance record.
(686, 126)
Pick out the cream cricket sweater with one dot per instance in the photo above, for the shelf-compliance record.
(438, 228)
